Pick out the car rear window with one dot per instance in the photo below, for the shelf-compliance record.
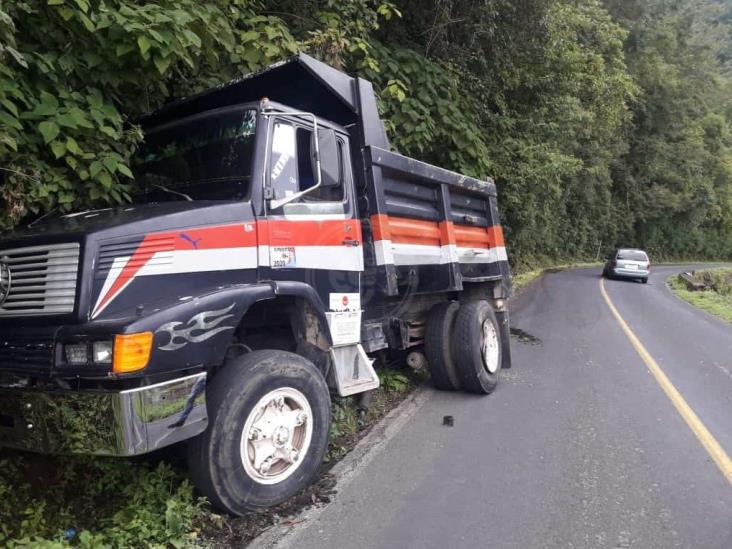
(632, 255)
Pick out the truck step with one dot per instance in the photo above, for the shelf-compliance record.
(352, 370)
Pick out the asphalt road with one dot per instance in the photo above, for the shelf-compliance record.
(579, 446)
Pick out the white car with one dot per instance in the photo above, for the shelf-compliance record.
(628, 263)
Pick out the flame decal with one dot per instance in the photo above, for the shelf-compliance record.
(200, 327)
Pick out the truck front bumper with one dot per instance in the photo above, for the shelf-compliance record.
(122, 423)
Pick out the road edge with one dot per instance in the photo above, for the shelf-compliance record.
(708, 314)
(552, 269)
(282, 535)
(707, 440)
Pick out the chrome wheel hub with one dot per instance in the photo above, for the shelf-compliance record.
(276, 435)
(490, 349)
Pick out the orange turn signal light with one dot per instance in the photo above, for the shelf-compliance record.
(131, 352)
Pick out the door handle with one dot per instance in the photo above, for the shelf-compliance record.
(351, 242)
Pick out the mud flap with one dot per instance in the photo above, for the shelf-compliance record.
(504, 326)
(352, 370)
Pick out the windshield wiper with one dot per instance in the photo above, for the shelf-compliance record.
(171, 191)
(44, 216)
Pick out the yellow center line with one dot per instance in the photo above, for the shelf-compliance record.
(713, 448)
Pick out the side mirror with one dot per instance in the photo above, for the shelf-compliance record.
(330, 165)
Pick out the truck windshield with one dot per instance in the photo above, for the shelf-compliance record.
(203, 159)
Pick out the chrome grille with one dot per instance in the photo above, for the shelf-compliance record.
(43, 279)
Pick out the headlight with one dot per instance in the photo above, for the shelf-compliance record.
(76, 353)
(82, 354)
(102, 352)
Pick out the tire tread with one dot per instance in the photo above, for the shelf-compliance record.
(438, 346)
(467, 333)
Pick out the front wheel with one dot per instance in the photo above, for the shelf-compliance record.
(269, 416)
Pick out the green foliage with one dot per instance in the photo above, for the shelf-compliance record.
(394, 380)
(540, 90)
(603, 124)
(344, 419)
(673, 184)
(425, 112)
(109, 502)
(717, 280)
(134, 503)
(75, 74)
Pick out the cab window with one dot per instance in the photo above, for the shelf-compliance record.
(291, 166)
(283, 163)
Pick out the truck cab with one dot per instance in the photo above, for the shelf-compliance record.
(275, 248)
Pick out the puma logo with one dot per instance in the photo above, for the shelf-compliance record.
(193, 242)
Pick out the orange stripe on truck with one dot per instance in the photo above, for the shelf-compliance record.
(414, 231)
(471, 237)
(402, 230)
(380, 227)
(479, 237)
(495, 236)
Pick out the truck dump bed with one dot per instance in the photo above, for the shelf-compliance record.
(431, 228)
(426, 228)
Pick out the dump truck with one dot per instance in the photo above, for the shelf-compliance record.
(276, 251)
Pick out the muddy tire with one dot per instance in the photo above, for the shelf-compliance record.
(477, 347)
(438, 346)
(269, 416)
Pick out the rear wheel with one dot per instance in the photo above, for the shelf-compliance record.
(477, 347)
(269, 416)
(644, 280)
(438, 346)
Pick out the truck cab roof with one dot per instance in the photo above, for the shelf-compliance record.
(302, 83)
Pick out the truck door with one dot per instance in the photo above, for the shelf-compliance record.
(315, 239)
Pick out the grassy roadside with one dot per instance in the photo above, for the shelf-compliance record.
(716, 300)
(523, 278)
(54, 502)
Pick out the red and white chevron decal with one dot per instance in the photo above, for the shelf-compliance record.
(204, 249)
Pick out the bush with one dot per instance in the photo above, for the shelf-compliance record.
(94, 502)
(74, 75)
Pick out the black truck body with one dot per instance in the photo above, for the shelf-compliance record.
(305, 235)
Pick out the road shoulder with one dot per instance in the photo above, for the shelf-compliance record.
(285, 533)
